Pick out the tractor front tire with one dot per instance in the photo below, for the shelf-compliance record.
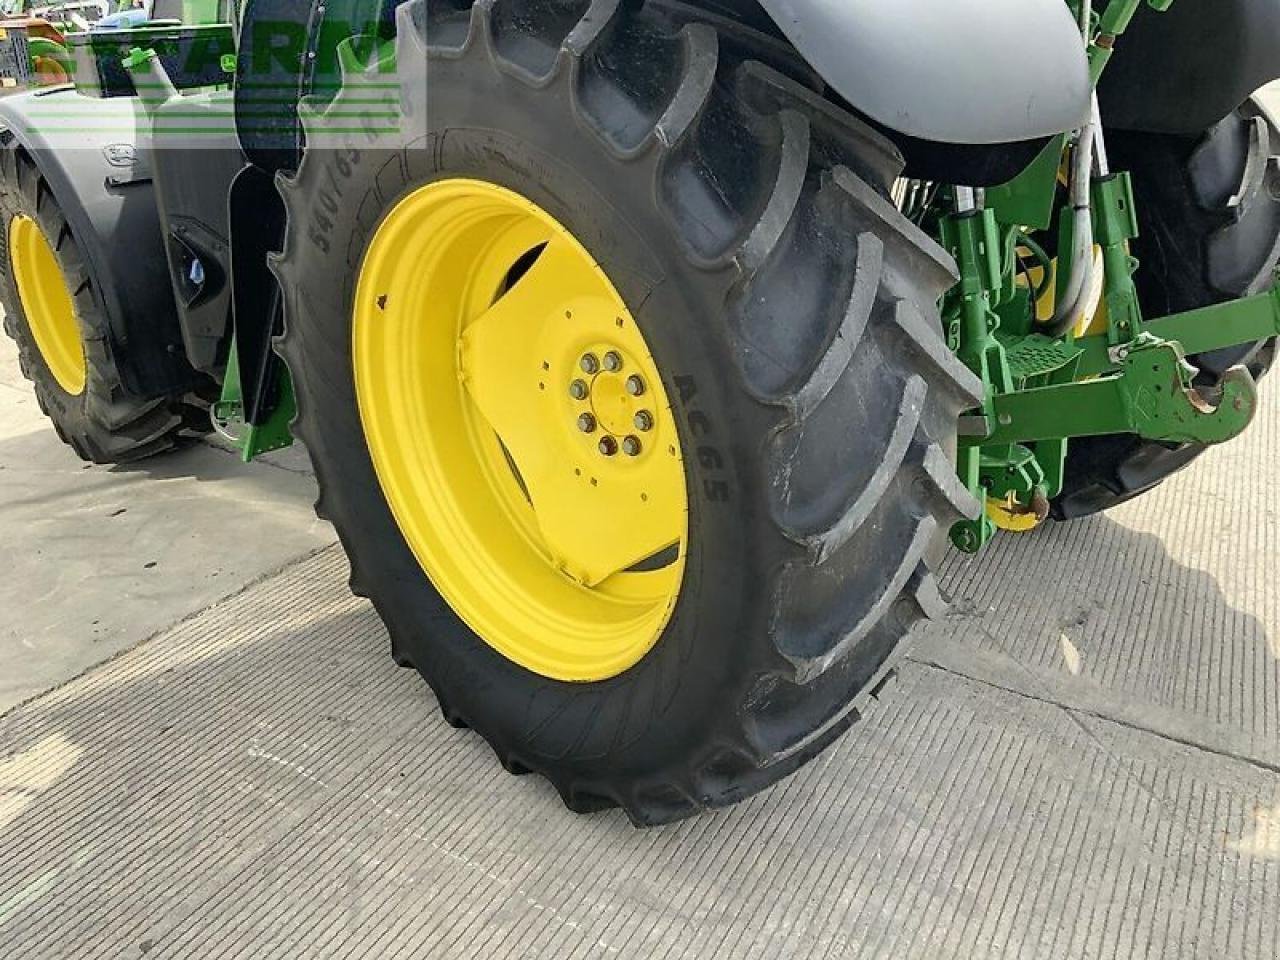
(53, 311)
(788, 310)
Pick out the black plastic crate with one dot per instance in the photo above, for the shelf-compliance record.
(15, 60)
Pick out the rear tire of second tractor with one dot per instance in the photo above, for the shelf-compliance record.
(1209, 219)
(627, 293)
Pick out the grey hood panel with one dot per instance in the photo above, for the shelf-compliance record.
(956, 71)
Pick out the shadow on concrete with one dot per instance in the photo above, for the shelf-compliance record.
(1104, 614)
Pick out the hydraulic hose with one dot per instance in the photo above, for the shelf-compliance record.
(1074, 297)
(1043, 261)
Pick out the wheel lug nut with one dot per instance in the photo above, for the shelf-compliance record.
(589, 363)
(587, 423)
(613, 361)
(578, 390)
(631, 446)
(644, 420)
(608, 446)
(635, 386)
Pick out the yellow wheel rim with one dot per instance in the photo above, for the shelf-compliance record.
(520, 431)
(46, 301)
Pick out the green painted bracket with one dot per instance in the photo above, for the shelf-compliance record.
(1152, 395)
(973, 238)
(228, 413)
(275, 433)
(1028, 199)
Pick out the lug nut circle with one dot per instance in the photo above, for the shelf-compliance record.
(603, 384)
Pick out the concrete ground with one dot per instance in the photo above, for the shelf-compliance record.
(205, 750)
(99, 559)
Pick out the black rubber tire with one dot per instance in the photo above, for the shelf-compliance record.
(104, 424)
(793, 313)
(1209, 216)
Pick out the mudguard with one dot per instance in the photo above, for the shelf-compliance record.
(949, 71)
(1183, 71)
(100, 174)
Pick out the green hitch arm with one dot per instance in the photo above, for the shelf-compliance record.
(1215, 327)
(1153, 395)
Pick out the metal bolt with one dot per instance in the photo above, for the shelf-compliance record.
(631, 446)
(587, 423)
(643, 420)
(635, 386)
(613, 361)
(578, 390)
(608, 446)
(589, 363)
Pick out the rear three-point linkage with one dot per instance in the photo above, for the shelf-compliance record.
(1062, 345)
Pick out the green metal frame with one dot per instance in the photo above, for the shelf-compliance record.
(1134, 378)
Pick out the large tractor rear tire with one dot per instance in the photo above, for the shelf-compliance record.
(626, 391)
(53, 311)
(1209, 217)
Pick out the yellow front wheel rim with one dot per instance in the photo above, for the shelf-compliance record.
(47, 303)
(520, 430)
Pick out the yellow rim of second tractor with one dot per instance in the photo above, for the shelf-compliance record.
(519, 429)
(47, 303)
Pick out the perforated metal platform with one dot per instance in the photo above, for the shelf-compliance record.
(1081, 762)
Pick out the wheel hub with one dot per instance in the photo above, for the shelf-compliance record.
(616, 409)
